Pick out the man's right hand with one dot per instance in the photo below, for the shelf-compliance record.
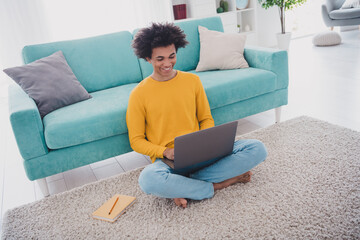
(169, 153)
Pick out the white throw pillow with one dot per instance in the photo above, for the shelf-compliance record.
(351, 4)
(220, 50)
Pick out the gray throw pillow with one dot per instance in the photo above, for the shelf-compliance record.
(50, 82)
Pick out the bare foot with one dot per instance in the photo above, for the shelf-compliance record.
(243, 178)
(180, 202)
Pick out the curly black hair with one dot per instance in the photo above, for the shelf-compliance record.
(158, 35)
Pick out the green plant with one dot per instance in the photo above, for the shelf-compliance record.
(225, 5)
(283, 6)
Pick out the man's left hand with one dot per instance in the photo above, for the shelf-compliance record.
(169, 153)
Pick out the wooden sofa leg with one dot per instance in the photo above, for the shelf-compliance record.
(331, 28)
(43, 187)
(277, 114)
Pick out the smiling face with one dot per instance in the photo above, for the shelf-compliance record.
(163, 60)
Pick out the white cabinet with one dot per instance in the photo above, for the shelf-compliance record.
(234, 21)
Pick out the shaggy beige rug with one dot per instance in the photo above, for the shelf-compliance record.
(307, 188)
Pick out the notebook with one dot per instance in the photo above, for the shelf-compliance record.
(120, 207)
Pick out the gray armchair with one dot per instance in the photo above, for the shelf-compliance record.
(334, 16)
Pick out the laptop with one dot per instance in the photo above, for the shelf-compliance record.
(202, 148)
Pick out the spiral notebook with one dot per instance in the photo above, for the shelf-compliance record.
(117, 208)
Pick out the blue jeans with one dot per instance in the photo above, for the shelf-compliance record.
(160, 180)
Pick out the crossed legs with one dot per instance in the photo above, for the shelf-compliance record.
(160, 180)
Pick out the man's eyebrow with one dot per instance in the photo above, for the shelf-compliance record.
(163, 56)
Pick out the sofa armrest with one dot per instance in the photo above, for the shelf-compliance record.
(26, 124)
(272, 60)
(325, 15)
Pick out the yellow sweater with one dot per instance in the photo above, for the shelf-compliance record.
(160, 111)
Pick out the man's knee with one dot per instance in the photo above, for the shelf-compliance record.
(259, 150)
(254, 147)
(150, 178)
(146, 180)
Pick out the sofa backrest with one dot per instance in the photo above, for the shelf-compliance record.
(98, 62)
(188, 57)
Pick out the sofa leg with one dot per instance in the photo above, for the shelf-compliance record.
(277, 114)
(43, 187)
(331, 28)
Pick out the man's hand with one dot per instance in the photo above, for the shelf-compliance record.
(169, 153)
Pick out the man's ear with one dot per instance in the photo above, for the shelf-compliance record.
(148, 60)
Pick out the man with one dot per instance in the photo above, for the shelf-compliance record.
(171, 103)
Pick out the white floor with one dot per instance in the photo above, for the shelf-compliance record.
(324, 83)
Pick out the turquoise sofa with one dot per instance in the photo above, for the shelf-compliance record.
(95, 129)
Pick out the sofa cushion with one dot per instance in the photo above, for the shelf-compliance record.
(230, 86)
(345, 13)
(98, 62)
(100, 117)
(351, 4)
